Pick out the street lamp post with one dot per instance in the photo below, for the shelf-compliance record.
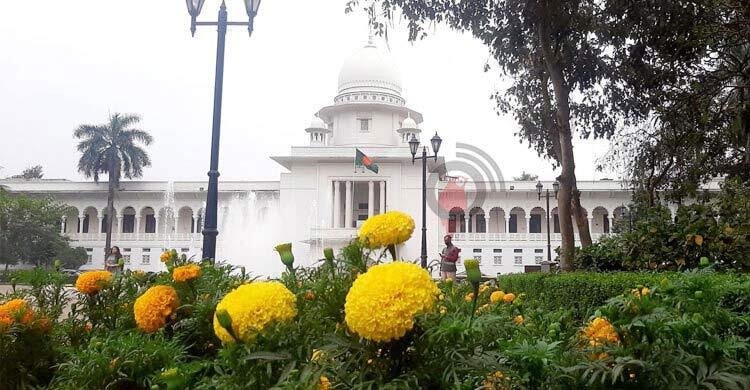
(210, 230)
(413, 146)
(556, 187)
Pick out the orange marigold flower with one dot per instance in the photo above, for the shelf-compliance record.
(154, 307)
(518, 320)
(509, 297)
(186, 273)
(600, 331)
(92, 281)
(15, 309)
(165, 256)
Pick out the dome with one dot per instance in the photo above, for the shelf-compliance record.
(317, 124)
(370, 70)
(409, 123)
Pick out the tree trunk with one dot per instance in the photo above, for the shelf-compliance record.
(580, 216)
(112, 186)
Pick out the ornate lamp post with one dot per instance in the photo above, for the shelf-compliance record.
(194, 9)
(413, 147)
(555, 187)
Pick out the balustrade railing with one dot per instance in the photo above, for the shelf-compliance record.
(495, 237)
(120, 237)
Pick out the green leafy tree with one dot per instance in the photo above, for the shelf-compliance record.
(35, 172)
(114, 149)
(526, 176)
(30, 230)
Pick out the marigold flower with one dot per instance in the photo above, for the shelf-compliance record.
(382, 302)
(509, 297)
(600, 331)
(390, 228)
(469, 297)
(252, 307)
(92, 281)
(15, 309)
(186, 273)
(518, 320)
(165, 256)
(154, 307)
(496, 296)
(324, 383)
(317, 355)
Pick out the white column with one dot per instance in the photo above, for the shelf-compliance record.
(611, 222)
(507, 223)
(80, 222)
(466, 223)
(99, 223)
(62, 224)
(176, 223)
(370, 198)
(591, 224)
(336, 204)
(195, 223)
(382, 197)
(156, 224)
(348, 205)
(137, 227)
(528, 223)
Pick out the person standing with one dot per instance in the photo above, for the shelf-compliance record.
(111, 263)
(448, 259)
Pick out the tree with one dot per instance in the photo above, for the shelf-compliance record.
(525, 176)
(30, 173)
(113, 149)
(690, 63)
(563, 81)
(30, 230)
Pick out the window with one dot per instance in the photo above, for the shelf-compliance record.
(497, 250)
(535, 223)
(538, 250)
(513, 224)
(146, 250)
(364, 125)
(85, 224)
(538, 259)
(104, 224)
(477, 250)
(605, 223)
(184, 250)
(497, 260)
(126, 258)
(150, 223)
(517, 250)
(146, 259)
(128, 223)
(89, 259)
(362, 206)
(556, 219)
(478, 258)
(518, 260)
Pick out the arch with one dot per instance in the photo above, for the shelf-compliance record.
(496, 223)
(477, 221)
(600, 220)
(166, 217)
(537, 220)
(456, 220)
(90, 220)
(127, 218)
(148, 220)
(71, 223)
(105, 217)
(185, 222)
(517, 220)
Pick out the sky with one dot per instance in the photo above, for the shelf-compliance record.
(67, 63)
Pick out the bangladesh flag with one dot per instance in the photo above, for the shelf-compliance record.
(363, 161)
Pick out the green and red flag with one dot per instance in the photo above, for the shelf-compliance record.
(363, 161)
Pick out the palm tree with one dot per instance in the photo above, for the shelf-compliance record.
(113, 149)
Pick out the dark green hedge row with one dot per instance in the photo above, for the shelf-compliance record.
(584, 292)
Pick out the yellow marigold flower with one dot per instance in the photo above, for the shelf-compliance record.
(92, 281)
(518, 320)
(186, 273)
(382, 302)
(390, 228)
(165, 256)
(494, 381)
(600, 331)
(154, 307)
(469, 297)
(324, 383)
(253, 306)
(509, 297)
(317, 355)
(496, 296)
(15, 309)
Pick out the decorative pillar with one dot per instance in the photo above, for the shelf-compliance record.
(99, 223)
(348, 205)
(62, 224)
(176, 223)
(156, 224)
(382, 197)
(507, 222)
(370, 198)
(137, 227)
(611, 221)
(336, 204)
(80, 222)
(528, 223)
(591, 224)
(466, 223)
(195, 223)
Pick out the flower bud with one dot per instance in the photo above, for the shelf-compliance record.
(473, 274)
(285, 252)
(328, 254)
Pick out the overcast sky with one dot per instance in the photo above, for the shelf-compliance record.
(65, 63)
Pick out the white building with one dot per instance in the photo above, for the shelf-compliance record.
(321, 200)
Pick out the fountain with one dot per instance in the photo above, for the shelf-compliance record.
(250, 227)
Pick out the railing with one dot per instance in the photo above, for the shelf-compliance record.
(136, 237)
(333, 233)
(495, 237)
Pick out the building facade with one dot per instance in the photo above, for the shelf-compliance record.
(321, 199)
